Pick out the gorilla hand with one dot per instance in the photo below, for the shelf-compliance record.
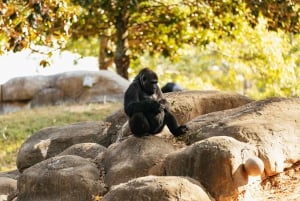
(156, 107)
(180, 130)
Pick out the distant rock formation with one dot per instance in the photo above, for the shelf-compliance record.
(69, 87)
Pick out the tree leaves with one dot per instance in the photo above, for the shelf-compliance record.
(35, 21)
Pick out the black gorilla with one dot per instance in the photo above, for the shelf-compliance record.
(148, 112)
(171, 87)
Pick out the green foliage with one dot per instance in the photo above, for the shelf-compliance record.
(16, 127)
(41, 22)
(257, 62)
(175, 22)
(264, 59)
(84, 46)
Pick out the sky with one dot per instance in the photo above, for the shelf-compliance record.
(26, 63)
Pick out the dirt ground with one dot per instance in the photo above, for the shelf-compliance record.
(282, 187)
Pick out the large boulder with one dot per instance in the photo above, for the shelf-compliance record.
(185, 105)
(89, 86)
(60, 178)
(158, 188)
(51, 141)
(217, 163)
(24, 88)
(133, 158)
(84, 150)
(272, 126)
(69, 87)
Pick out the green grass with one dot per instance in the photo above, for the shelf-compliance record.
(16, 127)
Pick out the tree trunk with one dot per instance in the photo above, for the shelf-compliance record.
(121, 54)
(103, 61)
(102, 54)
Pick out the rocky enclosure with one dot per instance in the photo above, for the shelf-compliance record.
(235, 148)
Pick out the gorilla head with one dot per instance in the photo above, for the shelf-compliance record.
(148, 81)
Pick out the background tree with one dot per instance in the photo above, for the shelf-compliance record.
(226, 31)
(159, 27)
(23, 23)
(128, 29)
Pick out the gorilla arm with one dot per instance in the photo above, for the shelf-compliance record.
(170, 119)
(133, 103)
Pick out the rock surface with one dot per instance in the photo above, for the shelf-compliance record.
(271, 125)
(84, 150)
(133, 158)
(8, 186)
(158, 188)
(51, 141)
(215, 162)
(60, 178)
(185, 106)
(69, 87)
(210, 162)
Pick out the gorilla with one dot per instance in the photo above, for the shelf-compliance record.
(146, 108)
(171, 87)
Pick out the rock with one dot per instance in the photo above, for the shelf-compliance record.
(133, 158)
(48, 96)
(7, 107)
(60, 178)
(158, 188)
(84, 150)
(69, 87)
(105, 86)
(216, 162)
(13, 174)
(7, 187)
(51, 141)
(185, 105)
(118, 129)
(271, 125)
(221, 155)
(24, 88)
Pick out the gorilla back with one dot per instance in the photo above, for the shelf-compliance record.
(148, 112)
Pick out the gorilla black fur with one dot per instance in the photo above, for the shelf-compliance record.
(146, 108)
(171, 87)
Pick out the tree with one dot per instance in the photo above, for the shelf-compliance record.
(157, 27)
(130, 28)
(130, 25)
(163, 27)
